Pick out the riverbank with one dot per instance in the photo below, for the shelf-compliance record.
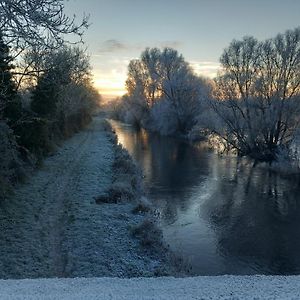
(55, 225)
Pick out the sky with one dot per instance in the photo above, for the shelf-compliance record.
(199, 29)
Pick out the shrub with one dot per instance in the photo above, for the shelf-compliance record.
(33, 134)
(11, 167)
(148, 233)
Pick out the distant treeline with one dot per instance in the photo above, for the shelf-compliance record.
(252, 107)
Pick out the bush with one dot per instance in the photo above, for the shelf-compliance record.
(71, 124)
(34, 134)
(148, 234)
(11, 166)
(13, 111)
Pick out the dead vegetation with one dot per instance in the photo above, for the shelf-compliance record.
(126, 182)
(148, 233)
(141, 208)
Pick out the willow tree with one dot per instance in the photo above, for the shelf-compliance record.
(258, 94)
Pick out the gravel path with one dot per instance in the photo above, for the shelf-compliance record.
(52, 227)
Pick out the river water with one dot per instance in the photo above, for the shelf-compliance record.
(221, 214)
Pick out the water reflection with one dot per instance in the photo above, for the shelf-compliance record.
(222, 214)
(256, 220)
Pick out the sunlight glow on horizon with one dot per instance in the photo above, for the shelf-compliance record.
(112, 87)
(120, 30)
(112, 84)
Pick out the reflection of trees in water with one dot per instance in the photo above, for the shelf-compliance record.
(172, 164)
(171, 167)
(255, 214)
(176, 168)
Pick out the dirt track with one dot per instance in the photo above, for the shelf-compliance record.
(34, 219)
(52, 227)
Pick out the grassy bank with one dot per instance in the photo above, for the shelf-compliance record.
(57, 224)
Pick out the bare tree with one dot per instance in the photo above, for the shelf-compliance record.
(258, 94)
(31, 23)
(164, 75)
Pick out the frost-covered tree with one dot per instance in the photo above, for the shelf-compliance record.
(36, 25)
(27, 23)
(258, 94)
(62, 69)
(164, 75)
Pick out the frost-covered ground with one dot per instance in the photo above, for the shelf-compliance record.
(52, 227)
(214, 287)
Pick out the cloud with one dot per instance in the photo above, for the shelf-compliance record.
(170, 44)
(112, 45)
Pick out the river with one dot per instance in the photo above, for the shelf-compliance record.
(219, 213)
